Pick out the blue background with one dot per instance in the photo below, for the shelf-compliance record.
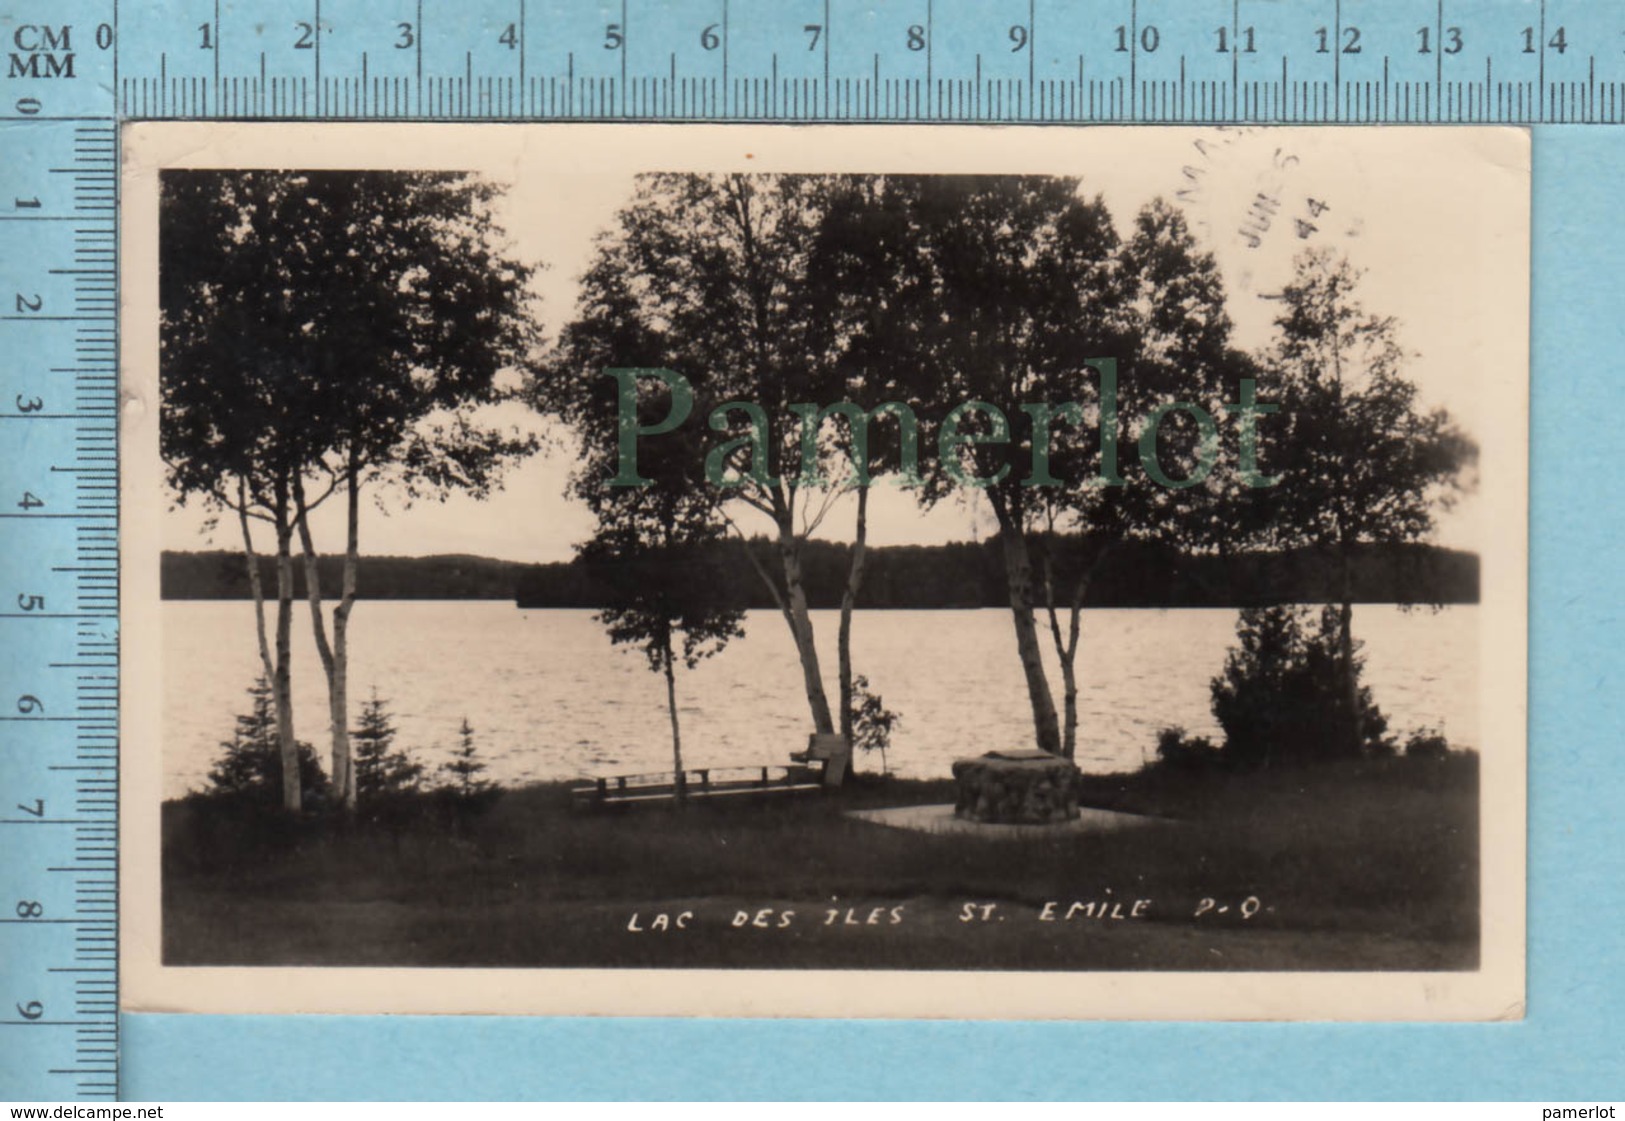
(1569, 1047)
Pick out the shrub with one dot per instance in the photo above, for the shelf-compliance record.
(250, 764)
(872, 722)
(1283, 696)
(1177, 751)
(1427, 743)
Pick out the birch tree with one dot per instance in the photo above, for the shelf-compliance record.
(717, 278)
(667, 594)
(1167, 315)
(226, 410)
(1009, 289)
(325, 334)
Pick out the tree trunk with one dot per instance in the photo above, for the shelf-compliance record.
(1345, 646)
(318, 626)
(762, 337)
(680, 786)
(792, 604)
(339, 688)
(256, 586)
(335, 656)
(1069, 703)
(1019, 577)
(282, 680)
(1345, 613)
(1066, 650)
(849, 599)
(801, 628)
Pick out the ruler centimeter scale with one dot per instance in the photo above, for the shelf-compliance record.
(58, 553)
(72, 69)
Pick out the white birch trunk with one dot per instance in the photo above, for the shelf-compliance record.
(282, 679)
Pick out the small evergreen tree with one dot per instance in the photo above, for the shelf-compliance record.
(466, 766)
(380, 770)
(1283, 695)
(250, 763)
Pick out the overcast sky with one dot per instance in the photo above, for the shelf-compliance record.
(1416, 212)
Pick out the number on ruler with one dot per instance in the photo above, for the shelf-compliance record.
(33, 1010)
(613, 39)
(307, 37)
(30, 501)
(207, 33)
(813, 31)
(408, 39)
(36, 810)
(1452, 40)
(1246, 37)
(509, 37)
(1018, 37)
(27, 602)
(1559, 42)
(1150, 39)
(709, 38)
(28, 909)
(916, 37)
(29, 703)
(29, 303)
(29, 404)
(1351, 40)
(27, 204)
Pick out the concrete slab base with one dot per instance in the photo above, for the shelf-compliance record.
(940, 819)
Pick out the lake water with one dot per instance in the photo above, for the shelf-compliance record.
(550, 698)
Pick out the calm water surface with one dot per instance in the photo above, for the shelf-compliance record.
(550, 698)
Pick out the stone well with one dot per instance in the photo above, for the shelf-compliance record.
(1017, 788)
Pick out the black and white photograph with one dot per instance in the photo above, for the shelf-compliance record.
(837, 571)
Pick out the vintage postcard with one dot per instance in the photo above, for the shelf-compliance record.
(844, 571)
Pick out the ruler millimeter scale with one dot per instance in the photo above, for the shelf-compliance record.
(1423, 61)
(70, 70)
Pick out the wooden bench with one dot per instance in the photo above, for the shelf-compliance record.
(822, 766)
(700, 784)
(833, 754)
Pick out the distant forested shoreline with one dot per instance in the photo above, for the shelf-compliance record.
(909, 577)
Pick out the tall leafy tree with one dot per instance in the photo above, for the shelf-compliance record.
(327, 332)
(718, 278)
(1363, 462)
(1004, 288)
(226, 412)
(1009, 291)
(858, 263)
(667, 594)
(1172, 338)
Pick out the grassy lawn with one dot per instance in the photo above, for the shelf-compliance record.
(1369, 865)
